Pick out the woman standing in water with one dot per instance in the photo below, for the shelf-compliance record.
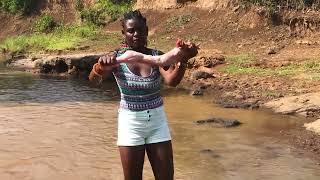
(142, 122)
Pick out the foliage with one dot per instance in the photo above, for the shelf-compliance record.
(79, 5)
(104, 9)
(63, 37)
(45, 23)
(243, 64)
(15, 6)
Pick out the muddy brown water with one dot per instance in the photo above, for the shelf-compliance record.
(55, 128)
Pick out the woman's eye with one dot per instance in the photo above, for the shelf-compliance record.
(130, 30)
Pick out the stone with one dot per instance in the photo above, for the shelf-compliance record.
(313, 126)
(197, 92)
(57, 63)
(200, 75)
(220, 122)
(306, 104)
(271, 50)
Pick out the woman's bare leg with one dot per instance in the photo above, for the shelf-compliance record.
(161, 159)
(132, 158)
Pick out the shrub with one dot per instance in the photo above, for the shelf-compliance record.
(16, 6)
(104, 9)
(44, 24)
(79, 5)
(93, 16)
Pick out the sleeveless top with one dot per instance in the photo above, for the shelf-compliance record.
(138, 93)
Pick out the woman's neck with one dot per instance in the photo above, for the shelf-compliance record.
(140, 49)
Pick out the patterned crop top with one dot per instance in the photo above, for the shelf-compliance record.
(138, 93)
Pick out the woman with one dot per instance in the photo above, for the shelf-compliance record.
(142, 123)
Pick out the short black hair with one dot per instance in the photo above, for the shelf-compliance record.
(136, 14)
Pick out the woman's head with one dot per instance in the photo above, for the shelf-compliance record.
(135, 30)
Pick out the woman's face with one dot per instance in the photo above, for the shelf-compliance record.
(135, 33)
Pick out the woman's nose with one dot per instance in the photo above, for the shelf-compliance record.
(136, 33)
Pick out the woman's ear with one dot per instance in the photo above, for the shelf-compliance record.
(124, 37)
(147, 29)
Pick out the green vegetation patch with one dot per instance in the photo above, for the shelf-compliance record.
(241, 64)
(310, 69)
(236, 69)
(16, 6)
(104, 11)
(271, 94)
(63, 37)
(244, 64)
(44, 23)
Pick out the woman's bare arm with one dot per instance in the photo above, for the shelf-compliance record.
(179, 53)
(173, 74)
(103, 68)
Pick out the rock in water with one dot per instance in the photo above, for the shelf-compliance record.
(314, 126)
(306, 105)
(220, 122)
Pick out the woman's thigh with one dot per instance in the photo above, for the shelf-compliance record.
(161, 159)
(132, 158)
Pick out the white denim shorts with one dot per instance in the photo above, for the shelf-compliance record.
(142, 127)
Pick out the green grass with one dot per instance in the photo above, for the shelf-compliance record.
(271, 93)
(310, 68)
(104, 11)
(241, 59)
(16, 6)
(44, 23)
(243, 64)
(240, 64)
(61, 38)
(236, 69)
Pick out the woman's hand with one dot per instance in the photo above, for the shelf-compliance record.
(189, 49)
(107, 62)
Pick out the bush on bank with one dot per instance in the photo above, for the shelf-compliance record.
(16, 6)
(103, 11)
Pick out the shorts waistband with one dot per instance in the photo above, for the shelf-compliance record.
(128, 111)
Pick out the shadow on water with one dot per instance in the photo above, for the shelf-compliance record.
(20, 87)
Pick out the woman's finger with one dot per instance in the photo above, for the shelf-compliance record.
(100, 61)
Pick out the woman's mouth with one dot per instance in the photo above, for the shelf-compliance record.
(136, 40)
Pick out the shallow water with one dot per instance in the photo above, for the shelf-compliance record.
(55, 128)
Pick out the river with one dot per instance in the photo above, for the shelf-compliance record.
(55, 128)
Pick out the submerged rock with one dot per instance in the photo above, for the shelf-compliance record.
(314, 126)
(197, 92)
(220, 122)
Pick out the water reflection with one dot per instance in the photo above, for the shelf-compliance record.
(22, 87)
